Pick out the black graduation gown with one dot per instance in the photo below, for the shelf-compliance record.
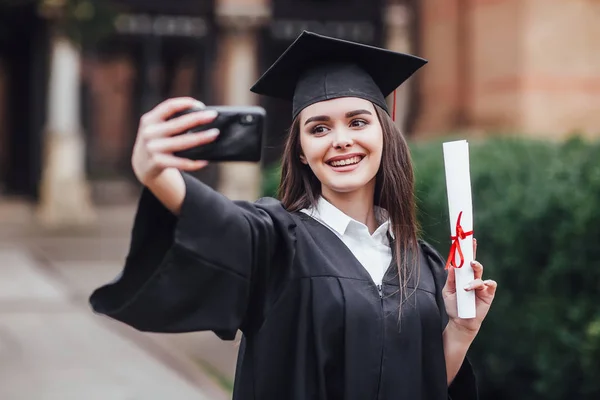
(314, 324)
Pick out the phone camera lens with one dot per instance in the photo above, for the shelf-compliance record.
(248, 119)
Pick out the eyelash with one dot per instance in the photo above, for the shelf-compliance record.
(314, 130)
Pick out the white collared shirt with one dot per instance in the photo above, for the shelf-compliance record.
(372, 251)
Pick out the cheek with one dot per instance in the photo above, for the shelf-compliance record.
(374, 145)
(305, 149)
(312, 149)
(374, 142)
(379, 139)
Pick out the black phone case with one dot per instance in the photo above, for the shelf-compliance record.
(240, 138)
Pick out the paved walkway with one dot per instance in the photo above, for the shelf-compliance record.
(53, 347)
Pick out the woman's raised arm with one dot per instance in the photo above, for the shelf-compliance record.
(195, 256)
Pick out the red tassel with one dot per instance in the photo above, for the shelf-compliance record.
(394, 108)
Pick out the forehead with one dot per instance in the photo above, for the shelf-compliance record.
(336, 108)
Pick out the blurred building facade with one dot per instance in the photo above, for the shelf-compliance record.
(521, 66)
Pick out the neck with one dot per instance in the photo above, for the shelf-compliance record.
(358, 205)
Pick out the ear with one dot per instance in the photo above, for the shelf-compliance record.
(303, 159)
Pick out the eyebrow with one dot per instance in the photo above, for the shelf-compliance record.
(320, 118)
(357, 112)
(323, 118)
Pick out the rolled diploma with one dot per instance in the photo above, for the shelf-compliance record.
(458, 185)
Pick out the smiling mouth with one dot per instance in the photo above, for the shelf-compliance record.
(345, 162)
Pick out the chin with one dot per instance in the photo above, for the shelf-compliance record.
(346, 185)
(344, 188)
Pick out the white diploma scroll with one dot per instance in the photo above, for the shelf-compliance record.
(458, 185)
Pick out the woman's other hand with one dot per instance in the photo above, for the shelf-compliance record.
(485, 291)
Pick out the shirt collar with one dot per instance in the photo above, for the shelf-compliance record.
(339, 222)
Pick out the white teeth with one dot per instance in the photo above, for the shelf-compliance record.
(348, 161)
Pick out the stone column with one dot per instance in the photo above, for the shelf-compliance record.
(438, 80)
(238, 70)
(398, 38)
(64, 192)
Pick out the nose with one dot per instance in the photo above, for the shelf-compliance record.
(342, 139)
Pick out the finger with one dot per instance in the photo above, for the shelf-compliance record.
(477, 284)
(474, 249)
(193, 165)
(450, 286)
(489, 291)
(477, 269)
(491, 287)
(169, 107)
(168, 161)
(182, 142)
(179, 125)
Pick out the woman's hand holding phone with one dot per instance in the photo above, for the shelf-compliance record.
(158, 138)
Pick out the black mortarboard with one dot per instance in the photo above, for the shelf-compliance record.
(316, 68)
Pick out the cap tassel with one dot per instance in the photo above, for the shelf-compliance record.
(394, 108)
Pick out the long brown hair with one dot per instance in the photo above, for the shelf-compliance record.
(394, 190)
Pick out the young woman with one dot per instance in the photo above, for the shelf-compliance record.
(333, 292)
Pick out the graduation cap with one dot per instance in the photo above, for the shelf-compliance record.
(317, 68)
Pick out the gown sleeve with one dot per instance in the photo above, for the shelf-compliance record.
(193, 272)
(464, 385)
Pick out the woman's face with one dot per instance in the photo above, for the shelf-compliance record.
(342, 142)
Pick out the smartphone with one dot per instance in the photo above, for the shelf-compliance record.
(242, 131)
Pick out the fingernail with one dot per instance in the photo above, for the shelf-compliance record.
(209, 114)
(467, 287)
(212, 132)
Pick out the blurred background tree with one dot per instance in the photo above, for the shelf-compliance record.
(538, 224)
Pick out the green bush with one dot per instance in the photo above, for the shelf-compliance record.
(537, 222)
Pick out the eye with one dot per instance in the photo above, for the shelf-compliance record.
(319, 129)
(358, 123)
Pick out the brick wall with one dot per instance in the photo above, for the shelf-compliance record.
(561, 49)
(529, 66)
(495, 59)
(438, 79)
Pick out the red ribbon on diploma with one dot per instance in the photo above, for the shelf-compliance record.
(460, 235)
